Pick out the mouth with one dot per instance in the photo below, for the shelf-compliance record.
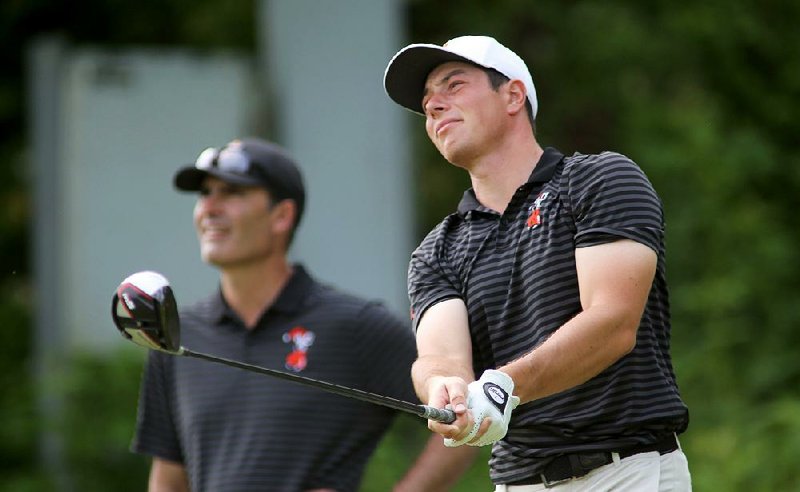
(211, 233)
(443, 125)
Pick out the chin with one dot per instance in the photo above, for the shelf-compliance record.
(446, 152)
(454, 157)
(212, 257)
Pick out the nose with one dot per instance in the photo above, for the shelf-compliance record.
(208, 201)
(434, 104)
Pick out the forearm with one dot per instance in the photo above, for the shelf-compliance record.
(167, 476)
(444, 347)
(579, 350)
(437, 467)
(428, 368)
(614, 279)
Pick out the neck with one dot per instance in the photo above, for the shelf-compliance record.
(251, 289)
(496, 176)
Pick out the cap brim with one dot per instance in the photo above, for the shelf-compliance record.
(404, 80)
(191, 179)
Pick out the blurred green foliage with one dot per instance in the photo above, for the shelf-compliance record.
(399, 449)
(704, 96)
(97, 419)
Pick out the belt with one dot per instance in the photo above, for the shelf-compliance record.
(569, 466)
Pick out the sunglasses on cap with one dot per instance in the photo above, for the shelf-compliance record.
(227, 159)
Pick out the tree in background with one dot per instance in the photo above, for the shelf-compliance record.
(704, 97)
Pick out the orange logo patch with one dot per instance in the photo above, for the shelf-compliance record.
(535, 218)
(301, 340)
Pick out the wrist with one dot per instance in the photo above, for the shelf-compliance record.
(497, 376)
(432, 385)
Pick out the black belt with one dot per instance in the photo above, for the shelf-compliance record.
(569, 466)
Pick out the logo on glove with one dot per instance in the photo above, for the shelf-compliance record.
(496, 395)
(491, 397)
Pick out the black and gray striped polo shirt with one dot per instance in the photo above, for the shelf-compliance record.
(241, 431)
(516, 274)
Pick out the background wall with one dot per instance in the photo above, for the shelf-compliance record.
(323, 63)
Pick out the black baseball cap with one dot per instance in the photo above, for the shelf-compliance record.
(247, 162)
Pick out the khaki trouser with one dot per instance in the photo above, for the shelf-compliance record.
(644, 472)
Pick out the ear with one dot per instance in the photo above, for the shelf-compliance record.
(284, 216)
(515, 91)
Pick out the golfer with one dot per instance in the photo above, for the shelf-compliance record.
(547, 284)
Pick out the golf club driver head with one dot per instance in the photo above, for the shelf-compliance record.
(145, 312)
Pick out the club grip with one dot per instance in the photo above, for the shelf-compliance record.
(442, 415)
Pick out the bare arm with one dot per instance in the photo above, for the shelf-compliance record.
(167, 476)
(444, 349)
(614, 281)
(437, 468)
(444, 365)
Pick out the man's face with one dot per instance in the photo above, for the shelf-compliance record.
(463, 114)
(234, 224)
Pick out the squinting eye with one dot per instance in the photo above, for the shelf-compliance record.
(236, 190)
(455, 83)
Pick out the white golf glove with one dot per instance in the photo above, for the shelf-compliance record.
(490, 396)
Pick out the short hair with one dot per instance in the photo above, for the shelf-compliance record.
(496, 79)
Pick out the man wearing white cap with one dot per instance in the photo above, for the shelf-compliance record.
(548, 282)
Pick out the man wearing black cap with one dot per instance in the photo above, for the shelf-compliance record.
(548, 282)
(215, 428)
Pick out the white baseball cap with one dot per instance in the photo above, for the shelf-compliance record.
(404, 79)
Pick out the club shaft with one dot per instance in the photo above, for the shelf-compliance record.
(439, 415)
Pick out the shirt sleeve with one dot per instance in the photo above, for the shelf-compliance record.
(156, 434)
(611, 198)
(430, 280)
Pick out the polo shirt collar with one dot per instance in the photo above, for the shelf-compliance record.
(290, 299)
(295, 292)
(541, 173)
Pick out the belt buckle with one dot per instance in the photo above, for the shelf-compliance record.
(580, 465)
(548, 483)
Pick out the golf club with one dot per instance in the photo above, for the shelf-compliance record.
(145, 312)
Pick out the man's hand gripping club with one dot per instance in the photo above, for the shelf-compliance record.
(484, 418)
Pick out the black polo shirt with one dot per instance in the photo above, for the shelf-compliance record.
(243, 431)
(516, 273)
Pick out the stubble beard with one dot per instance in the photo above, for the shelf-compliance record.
(459, 154)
